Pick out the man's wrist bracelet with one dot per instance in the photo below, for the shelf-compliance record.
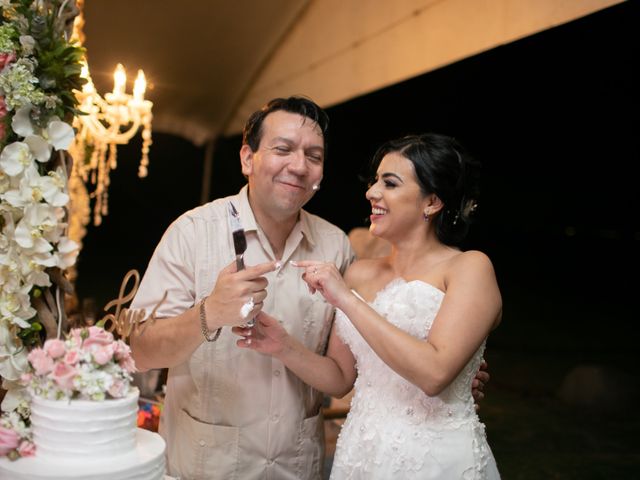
(209, 336)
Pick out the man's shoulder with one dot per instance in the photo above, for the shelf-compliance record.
(212, 211)
(320, 226)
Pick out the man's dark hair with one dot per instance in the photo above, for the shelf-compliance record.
(252, 132)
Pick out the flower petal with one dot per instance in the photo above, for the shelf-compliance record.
(39, 147)
(21, 122)
(60, 134)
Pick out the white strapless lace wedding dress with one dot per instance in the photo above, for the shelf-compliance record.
(394, 430)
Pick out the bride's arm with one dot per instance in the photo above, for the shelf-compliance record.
(333, 373)
(469, 310)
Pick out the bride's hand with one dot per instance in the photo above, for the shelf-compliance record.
(267, 336)
(324, 278)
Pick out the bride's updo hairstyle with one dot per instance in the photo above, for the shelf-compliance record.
(442, 167)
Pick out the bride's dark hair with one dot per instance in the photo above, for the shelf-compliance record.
(443, 167)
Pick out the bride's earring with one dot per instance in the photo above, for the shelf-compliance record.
(426, 216)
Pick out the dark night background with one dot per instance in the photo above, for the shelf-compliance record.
(553, 118)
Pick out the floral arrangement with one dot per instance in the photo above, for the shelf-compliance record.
(39, 70)
(88, 365)
(16, 439)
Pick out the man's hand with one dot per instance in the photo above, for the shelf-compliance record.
(478, 383)
(267, 336)
(237, 296)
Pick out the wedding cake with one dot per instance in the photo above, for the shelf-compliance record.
(87, 434)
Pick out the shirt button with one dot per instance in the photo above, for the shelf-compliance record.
(274, 417)
(276, 373)
(202, 443)
(270, 462)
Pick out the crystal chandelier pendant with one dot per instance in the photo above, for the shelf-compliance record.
(103, 124)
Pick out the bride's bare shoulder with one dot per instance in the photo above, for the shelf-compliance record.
(361, 272)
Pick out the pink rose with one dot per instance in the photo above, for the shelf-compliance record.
(76, 336)
(121, 350)
(128, 364)
(55, 348)
(41, 362)
(118, 389)
(98, 336)
(64, 374)
(6, 59)
(27, 449)
(71, 357)
(9, 441)
(103, 355)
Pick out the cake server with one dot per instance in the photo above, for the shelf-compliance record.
(240, 246)
(239, 239)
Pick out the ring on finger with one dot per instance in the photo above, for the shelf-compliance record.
(315, 271)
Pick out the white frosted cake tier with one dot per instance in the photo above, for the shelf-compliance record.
(144, 461)
(72, 428)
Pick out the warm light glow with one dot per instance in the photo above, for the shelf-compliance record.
(105, 123)
(119, 80)
(108, 122)
(139, 86)
(84, 72)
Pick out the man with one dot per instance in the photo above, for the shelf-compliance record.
(229, 412)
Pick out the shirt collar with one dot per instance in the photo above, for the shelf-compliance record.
(249, 222)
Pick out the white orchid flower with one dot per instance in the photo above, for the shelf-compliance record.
(39, 147)
(10, 275)
(33, 188)
(13, 355)
(16, 307)
(38, 227)
(58, 134)
(21, 122)
(68, 251)
(5, 182)
(15, 157)
(16, 393)
(31, 265)
(56, 194)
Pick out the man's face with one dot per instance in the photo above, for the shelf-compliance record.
(288, 163)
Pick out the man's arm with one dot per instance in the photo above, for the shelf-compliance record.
(178, 332)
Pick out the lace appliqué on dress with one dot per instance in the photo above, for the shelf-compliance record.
(394, 430)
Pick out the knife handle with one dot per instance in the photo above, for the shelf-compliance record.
(240, 262)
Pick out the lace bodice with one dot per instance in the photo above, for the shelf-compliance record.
(393, 427)
(411, 306)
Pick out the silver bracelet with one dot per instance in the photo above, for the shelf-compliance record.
(208, 335)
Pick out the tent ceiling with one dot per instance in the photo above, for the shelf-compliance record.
(212, 62)
(199, 57)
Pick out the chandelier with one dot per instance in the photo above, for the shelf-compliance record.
(105, 123)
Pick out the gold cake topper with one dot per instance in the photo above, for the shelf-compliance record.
(125, 320)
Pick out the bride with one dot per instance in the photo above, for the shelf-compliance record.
(410, 328)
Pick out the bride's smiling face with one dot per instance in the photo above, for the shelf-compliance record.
(397, 202)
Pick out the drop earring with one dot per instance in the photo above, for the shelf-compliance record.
(426, 216)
